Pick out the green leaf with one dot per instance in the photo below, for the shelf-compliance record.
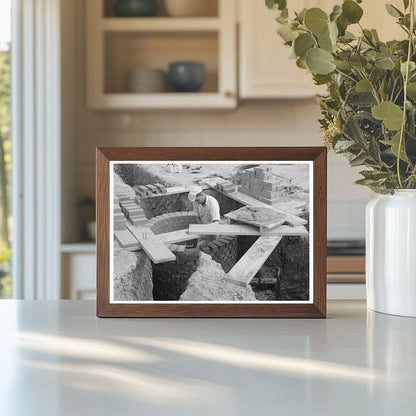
(411, 90)
(375, 35)
(363, 86)
(385, 63)
(343, 65)
(319, 61)
(325, 43)
(393, 11)
(286, 32)
(351, 11)
(336, 12)
(276, 4)
(358, 160)
(358, 61)
(301, 63)
(364, 181)
(343, 145)
(321, 79)
(316, 20)
(374, 175)
(374, 150)
(406, 4)
(300, 17)
(342, 25)
(303, 43)
(394, 145)
(391, 114)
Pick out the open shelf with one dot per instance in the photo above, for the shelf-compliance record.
(108, 9)
(128, 51)
(116, 46)
(160, 24)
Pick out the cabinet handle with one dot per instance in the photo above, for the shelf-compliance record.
(228, 94)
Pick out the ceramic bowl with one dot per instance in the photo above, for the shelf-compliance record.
(186, 76)
(135, 8)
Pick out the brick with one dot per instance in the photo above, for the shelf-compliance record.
(160, 187)
(153, 188)
(269, 194)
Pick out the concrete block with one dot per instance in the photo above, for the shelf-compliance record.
(119, 225)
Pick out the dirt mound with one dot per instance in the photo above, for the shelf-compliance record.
(132, 275)
(207, 283)
(120, 187)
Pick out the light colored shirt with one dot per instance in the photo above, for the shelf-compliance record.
(209, 212)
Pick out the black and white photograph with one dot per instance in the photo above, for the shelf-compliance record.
(211, 232)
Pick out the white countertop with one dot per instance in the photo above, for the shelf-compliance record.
(56, 358)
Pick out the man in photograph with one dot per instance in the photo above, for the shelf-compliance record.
(206, 207)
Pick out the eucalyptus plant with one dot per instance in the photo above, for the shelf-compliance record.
(369, 112)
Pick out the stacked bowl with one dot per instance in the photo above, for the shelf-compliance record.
(147, 80)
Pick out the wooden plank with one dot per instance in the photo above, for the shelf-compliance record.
(248, 265)
(151, 244)
(174, 190)
(126, 240)
(293, 220)
(242, 229)
(234, 216)
(176, 237)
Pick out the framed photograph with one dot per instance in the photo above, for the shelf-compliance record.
(211, 232)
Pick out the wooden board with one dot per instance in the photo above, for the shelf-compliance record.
(174, 190)
(264, 226)
(248, 265)
(151, 244)
(127, 240)
(242, 229)
(293, 220)
(176, 237)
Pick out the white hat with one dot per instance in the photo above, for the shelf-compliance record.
(193, 192)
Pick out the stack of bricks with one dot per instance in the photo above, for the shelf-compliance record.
(134, 212)
(226, 187)
(119, 219)
(258, 183)
(143, 191)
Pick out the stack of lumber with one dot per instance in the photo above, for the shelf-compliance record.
(258, 182)
(144, 191)
(226, 187)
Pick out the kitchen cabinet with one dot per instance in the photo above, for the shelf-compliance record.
(265, 70)
(118, 45)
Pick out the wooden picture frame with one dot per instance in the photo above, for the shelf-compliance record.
(315, 308)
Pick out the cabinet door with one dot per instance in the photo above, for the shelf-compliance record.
(265, 68)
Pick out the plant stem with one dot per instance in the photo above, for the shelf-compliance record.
(406, 80)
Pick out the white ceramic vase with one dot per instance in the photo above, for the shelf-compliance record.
(391, 253)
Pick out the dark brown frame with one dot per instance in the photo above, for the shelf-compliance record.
(219, 310)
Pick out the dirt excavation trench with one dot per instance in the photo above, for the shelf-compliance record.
(198, 273)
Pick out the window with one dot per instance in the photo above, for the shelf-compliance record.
(5, 159)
